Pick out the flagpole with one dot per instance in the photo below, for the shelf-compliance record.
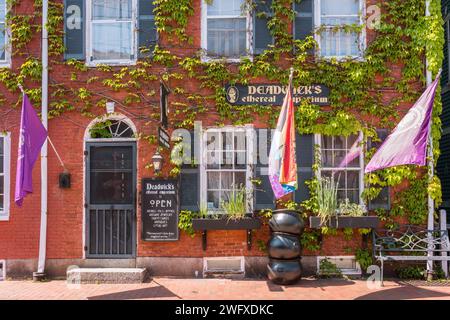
(430, 220)
(40, 274)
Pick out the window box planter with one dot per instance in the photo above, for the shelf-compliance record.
(248, 223)
(346, 222)
(224, 223)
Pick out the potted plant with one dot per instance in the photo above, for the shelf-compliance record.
(342, 215)
(234, 215)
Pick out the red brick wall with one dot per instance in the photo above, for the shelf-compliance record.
(19, 237)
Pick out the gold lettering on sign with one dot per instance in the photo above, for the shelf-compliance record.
(251, 89)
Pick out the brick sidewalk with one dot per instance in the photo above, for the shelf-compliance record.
(169, 288)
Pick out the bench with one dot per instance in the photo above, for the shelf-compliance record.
(410, 243)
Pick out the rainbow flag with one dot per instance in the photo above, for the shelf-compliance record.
(282, 157)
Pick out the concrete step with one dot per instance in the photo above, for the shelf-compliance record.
(106, 275)
(235, 275)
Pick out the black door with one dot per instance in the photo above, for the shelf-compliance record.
(111, 200)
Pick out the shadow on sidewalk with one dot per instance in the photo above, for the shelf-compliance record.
(405, 292)
(311, 283)
(144, 293)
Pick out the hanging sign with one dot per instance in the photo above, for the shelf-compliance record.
(163, 138)
(272, 94)
(160, 209)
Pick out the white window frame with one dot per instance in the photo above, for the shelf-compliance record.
(204, 35)
(318, 142)
(318, 23)
(4, 214)
(250, 136)
(89, 37)
(6, 63)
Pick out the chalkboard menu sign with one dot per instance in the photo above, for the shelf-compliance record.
(160, 208)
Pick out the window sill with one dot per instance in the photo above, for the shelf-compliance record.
(208, 59)
(6, 65)
(342, 58)
(4, 217)
(95, 64)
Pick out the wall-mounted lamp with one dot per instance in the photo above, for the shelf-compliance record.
(157, 160)
(110, 107)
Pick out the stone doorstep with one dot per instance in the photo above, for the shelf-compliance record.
(106, 275)
(236, 275)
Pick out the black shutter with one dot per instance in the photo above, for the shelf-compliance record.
(305, 160)
(147, 35)
(264, 197)
(190, 181)
(304, 19)
(383, 200)
(74, 29)
(262, 37)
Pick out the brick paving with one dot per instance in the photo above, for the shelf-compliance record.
(221, 289)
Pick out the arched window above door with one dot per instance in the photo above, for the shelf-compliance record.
(111, 128)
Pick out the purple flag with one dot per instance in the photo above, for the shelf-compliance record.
(32, 137)
(407, 144)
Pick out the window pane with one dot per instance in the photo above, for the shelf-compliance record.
(111, 158)
(240, 141)
(111, 188)
(240, 160)
(239, 179)
(339, 43)
(213, 180)
(212, 160)
(1, 202)
(227, 37)
(2, 141)
(2, 41)
(111, 9)
(227, 160)
(213, 200)
(225, 8)
(340, 7)
(226, 180)
(2, 189)
(212, 140)
(352, 180)
(227, 140)
(111, 41)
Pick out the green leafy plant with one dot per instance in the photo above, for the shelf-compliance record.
(411, 273)
(326, 199)
(346, 208)
(328, 269)
(364, 258)
(235, 206)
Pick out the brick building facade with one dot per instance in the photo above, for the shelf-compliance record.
(94, 43)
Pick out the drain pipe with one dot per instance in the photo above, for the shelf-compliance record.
(430, 220)
(40, 274)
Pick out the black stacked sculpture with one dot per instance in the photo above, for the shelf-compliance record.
(284, 247)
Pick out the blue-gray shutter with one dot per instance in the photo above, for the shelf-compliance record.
(147, 35)
(305, 159)
(264, 197)
(74, 29)
(304, 21)
(383, 200)
(190, 183)
(262, 37)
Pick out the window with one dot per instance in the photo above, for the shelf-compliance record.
(224, 28)
(112, 31)
(330, 16)
(5, 151)
(4, 44)
(333, 150)
(226, 166)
